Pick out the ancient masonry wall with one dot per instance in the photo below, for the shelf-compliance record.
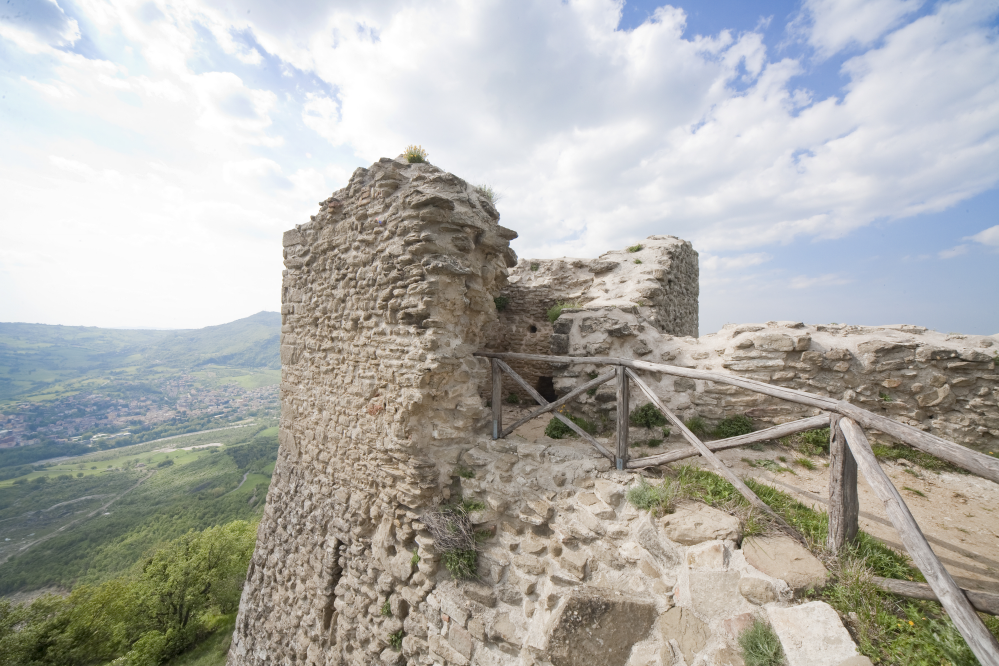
(384, 296)
(659, 282)
(944, 384)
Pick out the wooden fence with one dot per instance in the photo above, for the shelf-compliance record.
(849, 451)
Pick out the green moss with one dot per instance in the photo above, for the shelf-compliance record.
(535, 267)
(465, 473)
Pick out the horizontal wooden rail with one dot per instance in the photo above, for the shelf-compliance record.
(984, 602)
(776, 432)
(982, 643)
(979, 464)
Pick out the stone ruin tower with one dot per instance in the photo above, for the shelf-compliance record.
(385, 297)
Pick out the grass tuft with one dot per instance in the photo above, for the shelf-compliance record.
(556, 310)
(636, 248)
(761, 646)
(386, 610)
(395, 640)
(696, 425)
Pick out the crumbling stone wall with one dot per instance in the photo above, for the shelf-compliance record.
(659, 282)
(384, 298)
(944, 384)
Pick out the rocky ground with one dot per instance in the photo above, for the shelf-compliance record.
(958, 513)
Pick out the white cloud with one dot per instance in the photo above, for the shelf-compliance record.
(597, 137)
(737, 262)
(955, 251)
(988, 236)
(827, 280)
(832, 25)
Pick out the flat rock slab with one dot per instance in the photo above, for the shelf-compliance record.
(812, 634)
(783, 557)
(598, 626)
(693, 523)
(690, 633)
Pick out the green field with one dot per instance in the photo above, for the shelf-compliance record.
(92, 517)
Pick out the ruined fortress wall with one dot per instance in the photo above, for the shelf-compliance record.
(658, 281)
(385, 294)
(944, 384)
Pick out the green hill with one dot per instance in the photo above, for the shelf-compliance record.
(39, 361)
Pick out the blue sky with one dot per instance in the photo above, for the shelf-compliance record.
(831, 160)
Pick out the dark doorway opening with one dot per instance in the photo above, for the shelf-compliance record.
(546, 387)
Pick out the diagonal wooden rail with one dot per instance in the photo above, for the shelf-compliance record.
(849, 451)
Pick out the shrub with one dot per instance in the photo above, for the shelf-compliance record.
(513, 399)
(555, 310)
(535, 267)
(395, 640)
(488, 193)
(461, 563)
(415, 154)
(817, 441)
(415, 559)
(165, 463)
(465, 473)
(501, 302)
(636, 248)
(558, 430)
(638, 261)
(760, 646)
(648, 416)
(733, 426)
(696, 425)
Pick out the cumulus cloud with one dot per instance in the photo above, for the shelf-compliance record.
(35, 25)
(955, 251)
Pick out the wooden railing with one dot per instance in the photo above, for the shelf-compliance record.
(849, 451)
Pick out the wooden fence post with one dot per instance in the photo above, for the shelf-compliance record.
(497, 398)
(844, 504)
(622, 417)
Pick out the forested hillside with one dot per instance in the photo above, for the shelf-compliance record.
(120, 536)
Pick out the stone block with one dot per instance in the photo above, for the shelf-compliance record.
(439, 645)
(708, 555)
(460, 640)
(783, 557)
(811, 634)
(608, 491)
(715, 594)
(695, 522)
(597, 626)
(757, 590)
(689, 631)
(574, 562)
(529, 564)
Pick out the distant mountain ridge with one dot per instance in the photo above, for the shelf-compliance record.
(33, 356)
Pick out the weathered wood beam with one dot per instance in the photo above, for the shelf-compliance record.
(623, 413)
(537, 396)
(844, 503)
(606, 377)
(982, 643)
(715, 461)
(776, 432)
(497, 397)
(983, 602)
